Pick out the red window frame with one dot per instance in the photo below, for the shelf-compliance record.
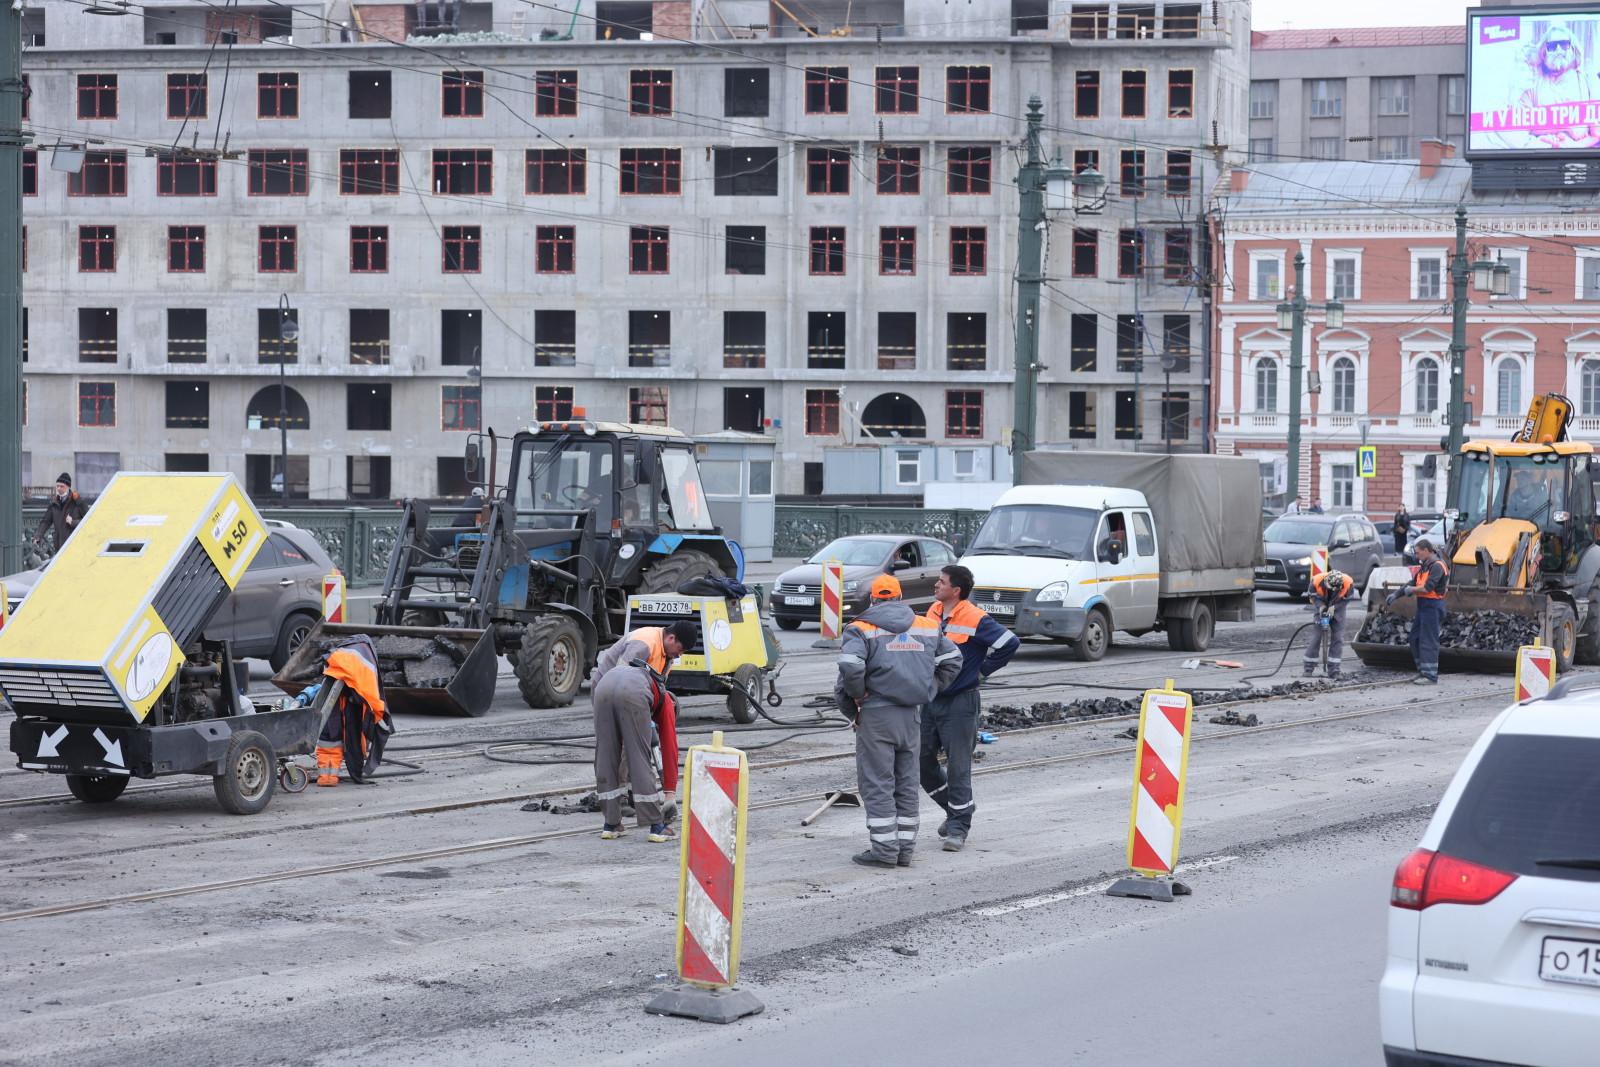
(971, 84)
(97, 249)
(1130, 254)
(827, 171)
(649, 250)
(1180, 170)
(822, 413)
(369, 250)
(97, 400)
(1139, 85)
(1130, 173)
(369, 172)
(827, 91)
(1179, 257)
(170, 168)
(461, 94)
(461, 407)
(555, 93)
(971, 169)
(636, 178)
(553, 249)
(556, 172)
(899, 90)
(186, 249)
(97, 96)
(463, 172)
(899, 170)
(552, 403)
(963, 413)
(650, 92)
(827, 250)
(295, 162)
(1086, 95)
(30, 172)
(1085, 158)
(115, 167)
(1180, 87)
(648, 404)
(463, 246)
(184, 90)
(969, 250)
(276, 249)
(897, 250)
(1086, 243)
(282, 89)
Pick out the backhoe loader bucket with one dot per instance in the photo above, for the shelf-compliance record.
(1457, 600)
(411, 670)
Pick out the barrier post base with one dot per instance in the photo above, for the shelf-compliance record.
(707, 1005)
(1163, 889)
(831, 643)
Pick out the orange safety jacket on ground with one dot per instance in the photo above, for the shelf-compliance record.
(1430, 584)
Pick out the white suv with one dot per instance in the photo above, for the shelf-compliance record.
(1494, 933)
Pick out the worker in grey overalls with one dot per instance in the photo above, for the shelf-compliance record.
(1330, 596)
(891, 662)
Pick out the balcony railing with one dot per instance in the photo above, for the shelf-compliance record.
(268, 349)
(97, 351)
(645, 355)
(897, 357)
(186, 350)
(1508, 422)
(744, 357)
(554, 355)
(370, 353)
(1341, 422)
(967, 357)
(1266, 420)
(825, 357)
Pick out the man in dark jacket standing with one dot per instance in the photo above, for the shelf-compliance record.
(1402, 528)
(891, 662)
(950, 720)
(63, 514)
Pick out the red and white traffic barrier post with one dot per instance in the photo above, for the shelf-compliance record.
(1160, 765)
(716, 795)
(832, 605)
(1536, 671)
(333, 597)
(5, 607)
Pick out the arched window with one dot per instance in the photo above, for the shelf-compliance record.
(1266, 384)
(1508, 387)
(264, 407)
(1427, 385)
(894, 415)
(1344, 386)
(1590, 393)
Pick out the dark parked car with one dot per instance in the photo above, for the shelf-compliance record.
(915, 561)
(277, 602)
(1353, 547)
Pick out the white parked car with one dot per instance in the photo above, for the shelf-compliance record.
(1494, 932)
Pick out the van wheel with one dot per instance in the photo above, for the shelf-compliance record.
(1091, 646)
(1192, 635)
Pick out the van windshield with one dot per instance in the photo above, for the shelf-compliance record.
(1036, 530)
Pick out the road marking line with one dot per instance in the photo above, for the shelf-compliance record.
(1087, 890)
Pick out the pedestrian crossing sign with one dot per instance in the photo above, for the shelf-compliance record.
(1367, 461)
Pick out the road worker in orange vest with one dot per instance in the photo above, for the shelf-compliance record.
(1429, 586)
(1330, 596)
(627, 685)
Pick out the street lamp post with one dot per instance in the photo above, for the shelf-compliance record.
(288, 330)
(1492, 278)
(1292, 317)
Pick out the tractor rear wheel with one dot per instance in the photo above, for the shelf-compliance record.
(1563, 635)
(550, 665)
(686, 563)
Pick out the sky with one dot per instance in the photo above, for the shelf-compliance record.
(1320, 14)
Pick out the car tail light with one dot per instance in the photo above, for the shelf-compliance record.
(1426, 878)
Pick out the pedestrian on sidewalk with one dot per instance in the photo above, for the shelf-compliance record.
(891, 662)
(1402, 528)
(1330, 596)
(628, 685)
(62, 514)
(1429, 586)
(950, 720)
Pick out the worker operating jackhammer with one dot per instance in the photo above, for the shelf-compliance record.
(1330, 596)
(891, 661)
(1433, 579)
(626, 687)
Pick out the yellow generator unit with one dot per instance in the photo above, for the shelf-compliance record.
(733, 653)
(106, 666)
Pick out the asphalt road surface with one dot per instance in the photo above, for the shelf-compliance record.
(428, 919)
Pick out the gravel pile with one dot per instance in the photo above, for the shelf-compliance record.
(1013, 717)
(1485, 631)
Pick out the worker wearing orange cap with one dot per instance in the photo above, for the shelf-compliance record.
(890, 663)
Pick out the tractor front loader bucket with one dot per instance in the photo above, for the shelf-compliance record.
(1454, 657)
(426, 669)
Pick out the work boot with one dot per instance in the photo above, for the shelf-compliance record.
(1309, 672)
(955, 843)
(1334, 675)
(661, 832)
(944, 828)
(867, 859)
(904, 860)
(328, 761)
(1423, 679)
(609, 832)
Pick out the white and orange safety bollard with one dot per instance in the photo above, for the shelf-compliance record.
(716, 793)
(1319, 562)
(1160, 764)
(832, 604)
(333, 597)
(1536, 671)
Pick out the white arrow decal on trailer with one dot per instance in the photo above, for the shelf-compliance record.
(113, 748)
(48, 742)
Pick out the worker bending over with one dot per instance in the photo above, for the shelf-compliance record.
(891, 662)
(1330, 596)
(627, 686)
(950, 720)
(1433, 578)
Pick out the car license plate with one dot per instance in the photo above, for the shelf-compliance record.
(1565, 960)
(1263, 570)
(664, 607)
(800, 601)
(1000, 609)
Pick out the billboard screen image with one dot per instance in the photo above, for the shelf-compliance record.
(1533, 83)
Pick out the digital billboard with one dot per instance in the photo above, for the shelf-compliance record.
(1533, 82)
